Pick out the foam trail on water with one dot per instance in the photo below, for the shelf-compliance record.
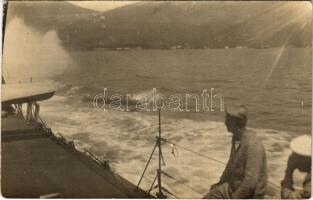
(127, 139)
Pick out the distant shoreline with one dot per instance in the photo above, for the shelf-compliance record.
(180, 49)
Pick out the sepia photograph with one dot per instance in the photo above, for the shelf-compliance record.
(156, 99)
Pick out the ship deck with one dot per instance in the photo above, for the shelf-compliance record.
(36, 164)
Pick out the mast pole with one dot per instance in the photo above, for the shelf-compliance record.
(160, 194)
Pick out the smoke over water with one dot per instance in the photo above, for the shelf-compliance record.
(29, 53)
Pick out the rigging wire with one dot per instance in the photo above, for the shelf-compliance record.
(207, 157)
(192, 151)
(166, 190)
(181, 182)
(144, 171)
(151, 187)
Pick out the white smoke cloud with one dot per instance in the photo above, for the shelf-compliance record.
(29, 53)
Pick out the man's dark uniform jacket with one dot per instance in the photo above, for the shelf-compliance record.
(246, 171)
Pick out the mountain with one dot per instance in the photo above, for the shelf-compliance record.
(202, 24)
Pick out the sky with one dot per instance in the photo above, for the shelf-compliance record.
(102, 5)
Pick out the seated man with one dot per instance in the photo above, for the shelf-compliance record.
(245, 175)
(297, 180)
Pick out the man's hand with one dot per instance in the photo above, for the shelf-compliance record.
(214, 186)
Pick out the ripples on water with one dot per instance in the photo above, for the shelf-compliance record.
(278, 112)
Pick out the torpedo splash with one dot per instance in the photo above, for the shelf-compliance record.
(29, 54)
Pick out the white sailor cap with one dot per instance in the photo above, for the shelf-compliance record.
(302, 145)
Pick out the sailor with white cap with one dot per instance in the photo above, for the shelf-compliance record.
(297, 180)
(245, 175)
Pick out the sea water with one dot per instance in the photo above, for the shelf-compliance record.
(276, 91)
